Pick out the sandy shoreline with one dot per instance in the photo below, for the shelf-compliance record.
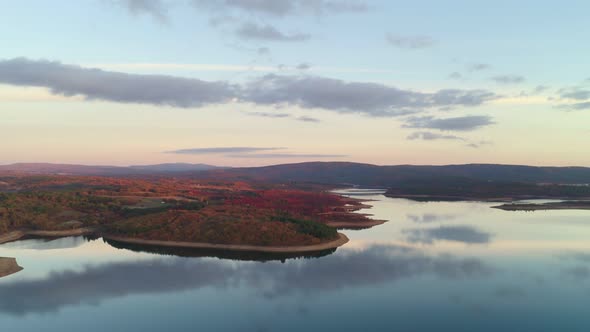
(8, 266)
(342, 239)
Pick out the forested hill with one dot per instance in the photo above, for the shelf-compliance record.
(328, 172)
(386, 176)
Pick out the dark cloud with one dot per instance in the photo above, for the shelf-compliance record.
(580, 273)
(577, 256)
(463, 123)
(307, 119)
(456, 76)
(508, 79)
(284, 116)
(95, 284)
(465, 234)
(254, 31)
(263, 51)
(303, 66)
(286, 155)
(154, 8)
(270, 114)
(281, 8)
(218, 150)
(477, 145)
(354, 97)
(576, 106)
(478, 67)
(428, 136)
(304, 91)
(430, 217)
(410, 42)
(540, 88)
(575, 93)
(96, 84)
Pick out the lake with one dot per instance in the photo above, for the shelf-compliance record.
(444, 266)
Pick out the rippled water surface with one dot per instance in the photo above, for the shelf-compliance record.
(458, 266)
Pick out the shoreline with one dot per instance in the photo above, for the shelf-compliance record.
(9, 266)
(342, 239)
(17, 235)
(502, 199)
(541, 207)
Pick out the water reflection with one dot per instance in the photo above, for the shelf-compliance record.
(376, 265)
(218, 253)
(430, 217)
(458, 233)
(44, 243)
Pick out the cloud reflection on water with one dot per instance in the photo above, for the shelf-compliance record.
(94, 284)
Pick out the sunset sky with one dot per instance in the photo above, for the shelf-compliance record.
(258, 82)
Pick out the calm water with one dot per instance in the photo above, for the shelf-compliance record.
(434, 266)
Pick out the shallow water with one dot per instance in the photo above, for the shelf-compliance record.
(458, 266)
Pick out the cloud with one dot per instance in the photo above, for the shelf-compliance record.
(463, 123)
(270, 114)
(540, 88)
(455, 76)
(477, 145)
(96, 84)
(465, 234)
(428, 136)
(252, 152)
(154, 8)
(578, 272)
(302, 90)
(576, 106)
(253, 31)
(286, 155)
(98, 283)
(281, 8)
(575, 93)
(478, 67)
(410, 42)
(218, 150)
(303, 66)
(284, 116)
(508, 79)
(307, 119)
(354, 97)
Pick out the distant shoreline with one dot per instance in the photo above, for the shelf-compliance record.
(342, 239)
(17, 235)
(582, 205)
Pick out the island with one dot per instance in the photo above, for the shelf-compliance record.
(179, 212)
(466, 189)
(565, 205)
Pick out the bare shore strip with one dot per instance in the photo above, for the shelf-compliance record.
(8, 266)
(342, 239)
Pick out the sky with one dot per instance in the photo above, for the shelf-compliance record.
(259, 82)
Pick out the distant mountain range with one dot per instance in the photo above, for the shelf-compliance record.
(387, 176)
(328, 172)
